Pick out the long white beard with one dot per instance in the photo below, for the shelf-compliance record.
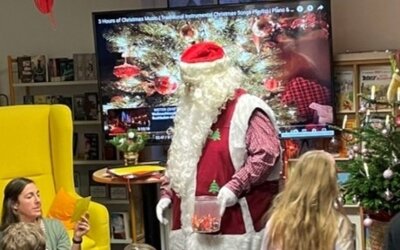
(192, 127)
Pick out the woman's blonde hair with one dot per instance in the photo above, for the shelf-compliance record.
(303, 215)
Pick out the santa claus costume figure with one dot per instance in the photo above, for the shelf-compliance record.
(222, 136)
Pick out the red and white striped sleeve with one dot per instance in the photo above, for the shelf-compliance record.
(263, 149)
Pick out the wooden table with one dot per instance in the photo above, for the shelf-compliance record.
(102, 176)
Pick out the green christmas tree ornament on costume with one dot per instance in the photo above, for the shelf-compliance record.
(214, 187)
(215, 135)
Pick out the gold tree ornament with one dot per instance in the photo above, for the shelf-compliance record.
(394, 86)
(393, 91)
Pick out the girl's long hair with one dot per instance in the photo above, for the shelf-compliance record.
(303, 215)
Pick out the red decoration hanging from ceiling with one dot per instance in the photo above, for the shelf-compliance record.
(46, 7)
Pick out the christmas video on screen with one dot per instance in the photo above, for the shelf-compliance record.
(283, 49)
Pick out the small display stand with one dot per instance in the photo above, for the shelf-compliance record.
(104, 176)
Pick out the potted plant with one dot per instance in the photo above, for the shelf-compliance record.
(130, 143)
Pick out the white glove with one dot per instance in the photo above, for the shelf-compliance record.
(226, 199)
(162, 204)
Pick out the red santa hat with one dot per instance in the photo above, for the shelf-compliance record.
(203, 59)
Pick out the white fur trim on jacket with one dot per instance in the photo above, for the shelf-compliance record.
(190, 72)
(196, 241)
(237, 135)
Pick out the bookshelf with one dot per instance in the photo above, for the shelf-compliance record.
(83, 167)
(356, 73)
(26, 91)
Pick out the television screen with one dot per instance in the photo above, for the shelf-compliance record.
(283, 48)
(183, 3)
(239, 1)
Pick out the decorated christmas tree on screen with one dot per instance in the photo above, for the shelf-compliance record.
(150, 51)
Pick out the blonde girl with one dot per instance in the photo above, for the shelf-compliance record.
(305, 215)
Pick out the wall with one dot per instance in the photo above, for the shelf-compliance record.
(25, 31)
(358, 25)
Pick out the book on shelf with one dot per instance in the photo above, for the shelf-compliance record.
(54, 71)
(39, 72)
(77, 181)
(79, 107)
(28, 99)
(96, 189)
(67, 69)
(75, 143)
(119, 223)
(346, 139)
(48, 99)
(66, 100)
(80, 150)
(118, 192)
(91, 149)
(91, 106)
(54, 68)
(343, 80)
(55, 99)
(32, 68)
(85, 66)
(41, 99)
(110, 152)
(85, 107)
(24, 65)
(375, 79)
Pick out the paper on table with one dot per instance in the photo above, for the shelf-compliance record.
(136, 171)
(81, 207)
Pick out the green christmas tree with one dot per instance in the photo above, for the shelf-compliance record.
(374, 165)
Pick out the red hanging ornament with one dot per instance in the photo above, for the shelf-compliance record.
(164, 86)
(271, 84)
(126, 70)
(398, 120)
(46, 8)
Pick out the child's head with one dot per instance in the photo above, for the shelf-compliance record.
(304, 214)
(314, 179)
(23, 236)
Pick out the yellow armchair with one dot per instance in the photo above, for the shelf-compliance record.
(36, 142)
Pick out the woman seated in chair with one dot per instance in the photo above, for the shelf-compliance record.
(22, 204)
